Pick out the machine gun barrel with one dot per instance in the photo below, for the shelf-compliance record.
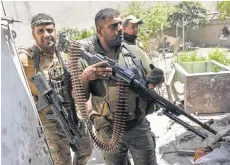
(168, 106)
(170, 110)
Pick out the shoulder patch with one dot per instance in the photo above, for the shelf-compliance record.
(27, 50)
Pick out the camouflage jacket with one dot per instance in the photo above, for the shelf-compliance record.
(26, 56)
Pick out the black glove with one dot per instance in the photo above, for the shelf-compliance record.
(156, 76)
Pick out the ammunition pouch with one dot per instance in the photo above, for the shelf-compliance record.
(136, 105)
(106, 105)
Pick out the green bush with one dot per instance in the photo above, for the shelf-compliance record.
(76, 34)
(191, 56)
(219, 56)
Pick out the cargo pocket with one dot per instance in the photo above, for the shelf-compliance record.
(112, 98)
(100, 105)
(102, 127)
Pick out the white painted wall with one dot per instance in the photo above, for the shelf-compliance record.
(20, 140)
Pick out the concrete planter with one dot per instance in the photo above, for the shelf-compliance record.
(206, 86)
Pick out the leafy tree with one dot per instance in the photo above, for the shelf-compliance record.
(194, 14)
(155, 18)
(224, 9)
(135, 8)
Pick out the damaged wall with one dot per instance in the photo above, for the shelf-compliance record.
(21, 142)
(209, 34)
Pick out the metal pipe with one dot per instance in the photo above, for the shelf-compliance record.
(183, 32)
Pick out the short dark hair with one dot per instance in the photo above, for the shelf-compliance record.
(103, 14)
(41, 19)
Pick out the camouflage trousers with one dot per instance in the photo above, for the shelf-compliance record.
(139, 140)
(59, 144)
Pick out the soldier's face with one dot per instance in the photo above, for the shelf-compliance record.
(131, 28)
(45, 36)
(112, 32)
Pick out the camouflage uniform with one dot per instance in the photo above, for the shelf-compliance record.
(138, 129)
(58, 143)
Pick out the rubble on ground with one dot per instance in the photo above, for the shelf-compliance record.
(177, 145)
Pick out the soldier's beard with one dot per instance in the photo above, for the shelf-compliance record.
(115, 43)
(47, 47)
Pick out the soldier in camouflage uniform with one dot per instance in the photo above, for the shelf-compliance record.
(50, 65)
(137, 136)
(130, 28)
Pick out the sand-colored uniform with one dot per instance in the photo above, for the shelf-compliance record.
(58, 142)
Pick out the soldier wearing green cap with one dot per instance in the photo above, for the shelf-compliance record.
(43, 57)
(130, 27)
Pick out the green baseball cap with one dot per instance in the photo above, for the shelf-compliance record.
(132, 19)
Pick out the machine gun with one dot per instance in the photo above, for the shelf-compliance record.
(61, 115)
(169, 109)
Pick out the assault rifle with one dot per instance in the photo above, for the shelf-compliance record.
(169, 109)
(61, 115)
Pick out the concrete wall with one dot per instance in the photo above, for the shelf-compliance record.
(21, 142)
(205, 90)
(209, 34)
